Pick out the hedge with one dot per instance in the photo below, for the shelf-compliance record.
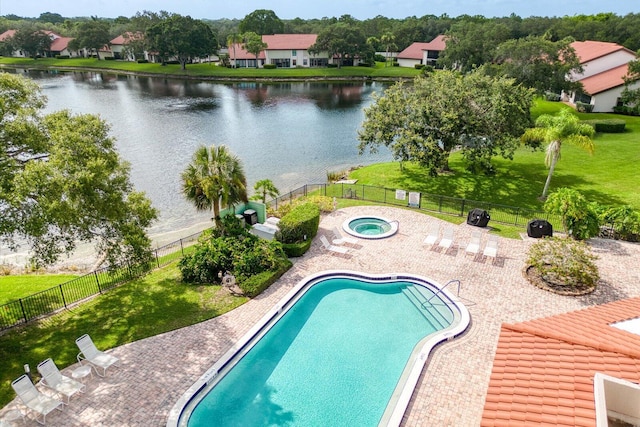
(608, 125)
(254, 285)
(269, 66)
(300, 224)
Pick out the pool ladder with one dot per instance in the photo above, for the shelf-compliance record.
(445, 285)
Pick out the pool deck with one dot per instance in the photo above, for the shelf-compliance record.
(156, 371)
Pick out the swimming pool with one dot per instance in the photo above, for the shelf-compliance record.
(370, 227)
(334, 333)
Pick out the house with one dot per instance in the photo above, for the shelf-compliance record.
(283, 51)
(604, 67)
(118, 46)
(574, 369)
(419, 53)
(7, 35)
(59, 45)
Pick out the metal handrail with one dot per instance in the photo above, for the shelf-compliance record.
(446, 284)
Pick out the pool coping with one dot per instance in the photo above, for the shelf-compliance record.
(407, 381)
(395, 226)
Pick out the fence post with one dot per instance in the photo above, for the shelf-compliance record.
(181, 247)
(95, 273)
(462, 208)
(62, 294)
(157, 259)
(517, 215)
(24, 312)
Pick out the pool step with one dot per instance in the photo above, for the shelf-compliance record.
(431, 310)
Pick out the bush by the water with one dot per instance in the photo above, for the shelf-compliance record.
(300, 224)
(563, 265)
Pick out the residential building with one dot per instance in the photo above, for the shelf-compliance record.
(604, 67)
(574, 369)
(419, 53)
(283, 51)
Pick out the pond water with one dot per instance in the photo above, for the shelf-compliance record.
(291, 133)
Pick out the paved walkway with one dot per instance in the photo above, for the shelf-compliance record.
(156, 371)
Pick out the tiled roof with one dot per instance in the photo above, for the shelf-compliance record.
(7, 34)
(543, 369)
(606, 80)
(589, 50)
(126, 38)
(415, 50)
(240, 53)
(289, 41)
(59, 44)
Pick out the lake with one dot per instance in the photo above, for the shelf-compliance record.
(290, 133)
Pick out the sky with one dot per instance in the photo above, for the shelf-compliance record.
(308, 9)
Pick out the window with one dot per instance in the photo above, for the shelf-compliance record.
(305, 62)
(294, 53)
(294, 62)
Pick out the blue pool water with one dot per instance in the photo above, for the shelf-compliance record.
(370, 227)
(334, 358)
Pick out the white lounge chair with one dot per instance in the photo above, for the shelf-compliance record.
(491, 248)
(328, 246)
(447, 238)
(34, 400)
(52, 378)
(474, 244)
(97, 358)
(434, 234)
(339, 239)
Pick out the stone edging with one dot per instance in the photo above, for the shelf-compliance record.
(537, 281)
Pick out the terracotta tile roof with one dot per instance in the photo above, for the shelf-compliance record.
(415, 50)
(543, 369)
(59, 44)
(589, 50)
(606, 80)
(289, 41)
(126, 38)
(240, 53)
(7, 34)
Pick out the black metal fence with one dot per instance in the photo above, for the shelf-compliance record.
(503, 214)
(66, 294)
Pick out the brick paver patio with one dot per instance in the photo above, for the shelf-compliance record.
(156, 371)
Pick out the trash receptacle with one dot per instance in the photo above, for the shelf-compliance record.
(538, 228)
(478, 217)
(250, 217)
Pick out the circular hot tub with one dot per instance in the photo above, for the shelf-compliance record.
(370, 227)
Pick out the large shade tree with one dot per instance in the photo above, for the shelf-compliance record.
(63, 182)
(342, 40)
(181, 37)
(92, 35)
(252, 43)
(261, 22)
(554, 130)
(31, 40)
(215, 178)
(425, 121)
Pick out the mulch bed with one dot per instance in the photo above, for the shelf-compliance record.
(536, 279)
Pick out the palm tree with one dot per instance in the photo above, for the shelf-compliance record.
(264, 188)
(388, 40)
(214, 178)
(232, 41)
(554, 130)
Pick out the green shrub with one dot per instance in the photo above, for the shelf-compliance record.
(300, 224)
(294, 250)
(269, 66)
(254, 285)
(627, 110)
(62, 56)
(332, 65)
(563, 263)
(141, 61)
(419, 66)
(380, 58)
(109, 58)
(608, 125)
(553, 97)
(583, 107)
(579, 219)
(428, 69)
(620, 223)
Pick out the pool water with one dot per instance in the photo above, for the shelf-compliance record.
(334, 358)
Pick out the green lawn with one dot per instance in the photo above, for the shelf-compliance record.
(213, 71)
(609, 176)
(15, 287)
(145, 307)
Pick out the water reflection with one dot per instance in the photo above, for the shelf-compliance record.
(291, 133)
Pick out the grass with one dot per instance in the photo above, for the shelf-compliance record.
(156, 303)
(213, 71)
(18, 286)
(608, 177)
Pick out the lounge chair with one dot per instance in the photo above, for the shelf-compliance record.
(34, 400)
(491, 248)
(97, 358)
(339, 239)
(328, 246)
(447, 238)
(474, 244)
(52, 378)
(434, 234)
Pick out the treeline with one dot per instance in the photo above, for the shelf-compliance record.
(607, 27)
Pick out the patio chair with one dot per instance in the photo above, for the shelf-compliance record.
(52, 378)
(491, 248)
(332, 248)
(97, 358)
(474, 244)
(447, 238)
(434, 234)
(34, 400)
(339, 239)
